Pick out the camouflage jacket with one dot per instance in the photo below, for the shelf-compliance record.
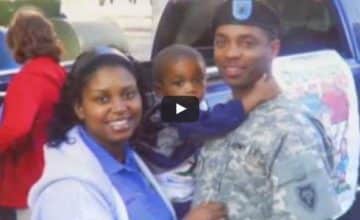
(277, 165)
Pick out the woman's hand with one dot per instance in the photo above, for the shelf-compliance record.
(264, 89)
(207, 211)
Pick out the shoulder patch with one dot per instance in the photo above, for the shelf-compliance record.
(307, 196)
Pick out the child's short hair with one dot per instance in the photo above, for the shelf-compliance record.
(172, 54)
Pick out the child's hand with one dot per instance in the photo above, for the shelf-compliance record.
(264, 89)
(207, 211)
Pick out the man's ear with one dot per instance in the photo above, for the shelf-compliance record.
(275, 47)
(79, 111)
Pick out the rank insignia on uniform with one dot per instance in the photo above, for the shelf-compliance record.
(242, 9)
(307, 196)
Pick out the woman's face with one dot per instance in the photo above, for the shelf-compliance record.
(111, 105)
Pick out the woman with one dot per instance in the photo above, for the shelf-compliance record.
(91, 171)
(28, 106)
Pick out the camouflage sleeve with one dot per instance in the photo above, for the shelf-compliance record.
(204, 187)
(303, 189)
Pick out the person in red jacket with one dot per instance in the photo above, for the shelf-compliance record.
(28, 106)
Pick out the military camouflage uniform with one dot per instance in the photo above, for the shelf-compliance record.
(275, 166)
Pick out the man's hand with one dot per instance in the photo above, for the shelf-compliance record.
(207, 211)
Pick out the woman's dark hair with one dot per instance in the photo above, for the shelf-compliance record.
(31, 34)
(86, 64)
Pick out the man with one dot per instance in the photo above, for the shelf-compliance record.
(277, 164)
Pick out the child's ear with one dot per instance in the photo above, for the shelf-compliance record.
(158, 89)
(79, 111)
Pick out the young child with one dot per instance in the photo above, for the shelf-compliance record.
(170, 149)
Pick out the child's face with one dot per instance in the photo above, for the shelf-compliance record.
(111, 105)
(185, 77)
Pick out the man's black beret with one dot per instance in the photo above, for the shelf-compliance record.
(247, 12)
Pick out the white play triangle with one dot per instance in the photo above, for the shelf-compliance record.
(179, 108)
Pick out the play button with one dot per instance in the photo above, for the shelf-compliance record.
(179, 109)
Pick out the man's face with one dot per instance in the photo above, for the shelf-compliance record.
(243, 53)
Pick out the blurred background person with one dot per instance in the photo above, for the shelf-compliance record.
(28, 106)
